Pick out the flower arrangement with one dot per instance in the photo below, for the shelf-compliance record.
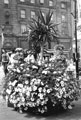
(38, 88)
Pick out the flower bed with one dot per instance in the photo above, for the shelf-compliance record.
(40, 88)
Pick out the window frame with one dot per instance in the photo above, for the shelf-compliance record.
(63, 19)
(6, 1)
(32, 1)
(23, 28)
(50, 3)
(24, 14)
(22, 1)
(63, 5)
(34, 15)
(41, 1)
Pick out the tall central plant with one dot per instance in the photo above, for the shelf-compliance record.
(42, 31)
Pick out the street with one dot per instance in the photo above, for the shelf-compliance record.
(7, 113)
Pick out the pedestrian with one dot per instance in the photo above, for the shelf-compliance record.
(5, 60)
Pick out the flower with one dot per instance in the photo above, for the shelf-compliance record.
(34, 88)
(62, 83)
(35, 67)
(18, 70)
(26, 82)
(40, 95)
(8, 91)
(40, 89)
(48, 90)
(13, 83)
(20, 85)
(69, 107)
(54, 83)
(44, 72)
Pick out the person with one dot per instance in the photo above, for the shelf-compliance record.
(5, 60)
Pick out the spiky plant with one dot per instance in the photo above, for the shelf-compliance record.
(42, 31)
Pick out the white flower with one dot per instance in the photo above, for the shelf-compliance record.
(29, 89)
(65, 74)
(38, 101)
(28, 93)
(48, 91)
(42, 83)
(61, 92)
(34, 88)
(20, 111)
(57, 84)
(26, 82)
(58, 79)
(28, 75)
(23, 90)
(71, 67)
(57, 94)
(10, 83)
(34, 67)
(18, 70)
(65, 79)
(23, 99)
(46, 86)
(16, 89)
(38, 81)
(43, 102)
(62, 83)
(18, 98)
(63, 89)
(44, 90)
(8, 91)
(54, 72)
(34, 79)
(44, 72)
(18, 105)
(40, 95)
(13, 84)
(40, 89)
(20, 85)
(20, 94)
(27, 68)
(10, 87)
(69, 107)
(32, 99)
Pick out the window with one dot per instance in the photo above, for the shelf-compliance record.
(7, 14)
(23, 14)
(23, 28)
(63, 18)
(42, 1)
(63, 5)
(6, 1)
(22, 0)
(50, 3)
(32, 1)
(32, 14)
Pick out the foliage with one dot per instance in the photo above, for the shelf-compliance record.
(42, 31)
(39, 88)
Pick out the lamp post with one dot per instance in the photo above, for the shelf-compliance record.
(76, 51)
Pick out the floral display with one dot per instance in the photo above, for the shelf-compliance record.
(39, 88)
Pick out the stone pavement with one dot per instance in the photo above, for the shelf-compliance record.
(7, 113)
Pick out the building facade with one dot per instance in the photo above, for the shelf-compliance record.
(16, 14)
